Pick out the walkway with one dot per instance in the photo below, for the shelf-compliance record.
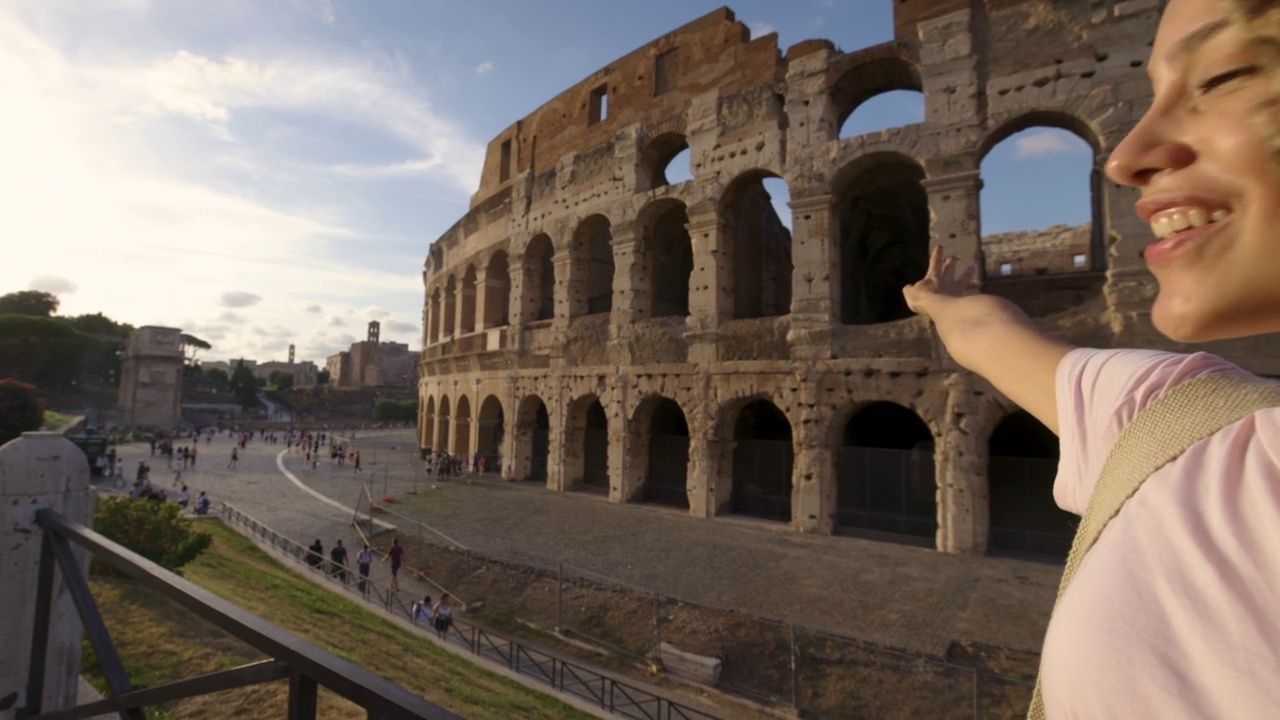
(893, 595)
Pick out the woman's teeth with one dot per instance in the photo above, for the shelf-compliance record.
(1183, 219)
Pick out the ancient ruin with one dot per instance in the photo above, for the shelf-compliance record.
(591, 326)
(151, 378)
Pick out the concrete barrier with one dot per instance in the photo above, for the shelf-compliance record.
(686, 665)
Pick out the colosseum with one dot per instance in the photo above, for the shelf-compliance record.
(593, 327)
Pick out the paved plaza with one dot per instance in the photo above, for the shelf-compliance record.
(893, 595)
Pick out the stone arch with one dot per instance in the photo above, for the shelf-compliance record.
(1071, 249)
(436, 309)
(437, 259)
(1021, 467)
(886, 485)
(883, 226)
(491, 431)
(539, 279)
(586, 445)
(861, 81)
(442, 428)
(450, 306)
(763, 460)
(591, 269)
(428, 433)
(759, 247)
(667, 257)
(656, 157)
(468, 321)
(532, 440)
(660, 440)
(462, 429)
(497, 291)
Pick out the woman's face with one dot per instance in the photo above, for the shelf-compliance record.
(1210, 184)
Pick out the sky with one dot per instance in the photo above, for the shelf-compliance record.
(267, 172)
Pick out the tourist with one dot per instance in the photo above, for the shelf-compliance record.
(202, 504)
(235, 459)
(315, 553)
(1173, 612)
(184, 498)
(443, 614)
(420, 614)
(338, 561)
(364, 559)
(396, 555)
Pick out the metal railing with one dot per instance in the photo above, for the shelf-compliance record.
(306, 666)
(567, 676)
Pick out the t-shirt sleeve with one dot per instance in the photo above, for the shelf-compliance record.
(1098, 393)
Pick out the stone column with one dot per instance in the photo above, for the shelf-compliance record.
(961, 469)
(954, 204)
(563, 296)
(710, 288)
(813, 494)
(39, 470)
(481, 294)
(815, 279)
(627, 271)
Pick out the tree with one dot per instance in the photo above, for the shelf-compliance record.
(395, 410)
(156, 531)
(192, 345)
(281, 380)
(322, 377)
(218, 376)
(29, 302)
(244, 386)
(40, 349)
(21, 409)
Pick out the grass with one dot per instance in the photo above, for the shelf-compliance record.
(161, 642)
(54, 420)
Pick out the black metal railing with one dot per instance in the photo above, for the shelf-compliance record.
(306, 666)
(563, 675)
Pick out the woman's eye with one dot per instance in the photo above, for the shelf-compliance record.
(1223, 78)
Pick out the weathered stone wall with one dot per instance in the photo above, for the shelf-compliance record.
(151, 378)
(745, 111)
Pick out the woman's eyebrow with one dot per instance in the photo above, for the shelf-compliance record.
(1192, 41)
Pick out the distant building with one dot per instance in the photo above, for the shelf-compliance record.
(304, 373)
(373, 362)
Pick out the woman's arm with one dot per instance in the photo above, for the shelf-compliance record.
(991, 337)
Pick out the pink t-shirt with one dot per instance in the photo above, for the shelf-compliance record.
(1175, 612)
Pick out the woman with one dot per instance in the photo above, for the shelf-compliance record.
(1173, 613)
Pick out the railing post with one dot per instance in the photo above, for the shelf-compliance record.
(39, 470)
(975, 693)
(795, 669)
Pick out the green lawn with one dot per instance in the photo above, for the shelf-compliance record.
(161, 642)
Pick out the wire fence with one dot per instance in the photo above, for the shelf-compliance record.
(816, 674)
(559, 673)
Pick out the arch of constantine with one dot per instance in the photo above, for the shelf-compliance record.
(590, 325)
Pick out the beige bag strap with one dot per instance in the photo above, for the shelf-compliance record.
(1166, 428)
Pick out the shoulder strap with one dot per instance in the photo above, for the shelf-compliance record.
(1163, 430)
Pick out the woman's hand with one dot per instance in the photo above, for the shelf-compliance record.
(939, 284)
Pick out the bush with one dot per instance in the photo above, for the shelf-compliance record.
(21, 409)
(156, 531)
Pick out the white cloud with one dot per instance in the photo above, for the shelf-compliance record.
(231, 317)
(375, 312)
(760, 28)
(239, 299)
(53, 284)
(484, 68)
(313, 309)
(322, 9)
(1045, 142)
(401, 327)
(336, 321)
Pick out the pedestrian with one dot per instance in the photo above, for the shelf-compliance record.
(202, 504)
(315, 553)
(396, 555)
(420, 615)
(338, 560)
(364, 559)
(184, 498)
(1172, 613)
(443, 614)
(355, 460)
(235, 458)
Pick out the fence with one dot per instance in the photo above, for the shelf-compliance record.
(817, 674)
(563, 675)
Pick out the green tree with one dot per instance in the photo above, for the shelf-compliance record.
(280, 380)
(192, 345)
(29, 302)
(156, 531)
(244, 386)
(21, 409)
(45, 350)
(217, 376)
(103, 362)
(322, 377)
(395, 410)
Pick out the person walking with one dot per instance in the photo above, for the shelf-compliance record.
(364, 559)
(421, 613)
(443, 614)
(338, 561)
(396, 555)
(235, 458)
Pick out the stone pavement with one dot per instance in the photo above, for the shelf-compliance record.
(897, 596)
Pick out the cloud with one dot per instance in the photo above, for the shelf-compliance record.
(375, 312)
(53, 284)
(336, 321)
(239, 299)
(401, 327)
(760, 28)
(313, 308)
(1045, 142)
(484, 68)
(322, 9)
(231, 317)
